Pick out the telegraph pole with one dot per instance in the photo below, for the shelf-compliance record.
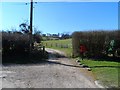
(31, 22)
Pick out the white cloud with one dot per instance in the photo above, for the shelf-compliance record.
(60, 0)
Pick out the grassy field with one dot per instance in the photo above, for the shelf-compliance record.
(106, 72)
(62, 45)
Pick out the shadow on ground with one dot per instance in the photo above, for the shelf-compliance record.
(105, 58)
(105, 67)
(21, 60)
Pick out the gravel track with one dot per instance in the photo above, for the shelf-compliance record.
(54, 73)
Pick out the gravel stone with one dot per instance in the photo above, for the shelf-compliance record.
(53, 73)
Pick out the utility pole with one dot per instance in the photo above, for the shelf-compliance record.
(31, 21)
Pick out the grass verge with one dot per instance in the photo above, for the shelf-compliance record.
(106, 72)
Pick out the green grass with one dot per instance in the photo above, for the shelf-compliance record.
(62, 45)
(106, 72)
(65, 41)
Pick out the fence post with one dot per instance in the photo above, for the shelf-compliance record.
(46, 44)
(43, 49)
(51, 44)
(56, 44)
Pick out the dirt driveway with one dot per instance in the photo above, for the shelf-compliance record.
(54, 73)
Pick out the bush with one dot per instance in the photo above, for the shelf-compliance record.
(15, 48)
(96, 42)
(14, 43)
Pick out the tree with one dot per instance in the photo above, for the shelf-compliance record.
(37, 35)
(24, 27)
(65, 36)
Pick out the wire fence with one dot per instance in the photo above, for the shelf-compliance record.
(58, 45)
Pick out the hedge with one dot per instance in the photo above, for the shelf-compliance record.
(96, 42)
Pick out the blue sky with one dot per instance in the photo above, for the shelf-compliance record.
(59, 17)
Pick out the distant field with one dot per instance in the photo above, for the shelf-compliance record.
(62, 45)
(107, 72)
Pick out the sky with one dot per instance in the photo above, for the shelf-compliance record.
(61, 17)
(61, 0)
